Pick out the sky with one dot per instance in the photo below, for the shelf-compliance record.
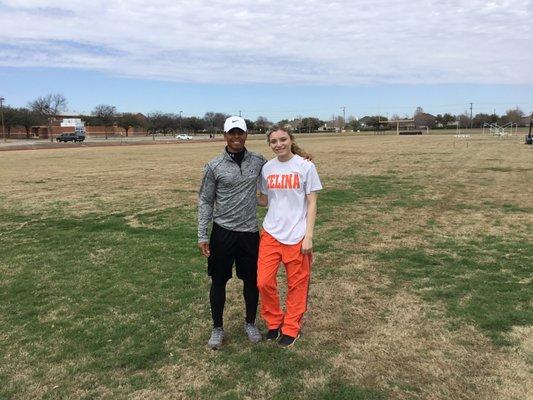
(278, 59)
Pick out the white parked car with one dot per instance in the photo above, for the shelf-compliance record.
(183, 137)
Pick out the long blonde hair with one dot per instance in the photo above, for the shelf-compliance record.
(295, 149)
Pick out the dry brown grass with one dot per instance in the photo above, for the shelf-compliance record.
(404, 346)
(397, 342)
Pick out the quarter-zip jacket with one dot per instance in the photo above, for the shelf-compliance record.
(228, 194)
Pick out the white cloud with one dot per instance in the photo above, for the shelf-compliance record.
(312, 42)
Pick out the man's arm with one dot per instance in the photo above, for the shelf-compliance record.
(206, 201)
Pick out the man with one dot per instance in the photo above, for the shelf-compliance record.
(228, 197)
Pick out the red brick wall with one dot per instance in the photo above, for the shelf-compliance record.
(41, 132)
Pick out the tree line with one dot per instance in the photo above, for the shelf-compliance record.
(43, 110)
(439, 121)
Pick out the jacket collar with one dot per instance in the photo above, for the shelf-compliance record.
(228, 157)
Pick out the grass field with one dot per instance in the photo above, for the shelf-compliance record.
(421, 287)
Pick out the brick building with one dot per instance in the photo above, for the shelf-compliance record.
(58, 127)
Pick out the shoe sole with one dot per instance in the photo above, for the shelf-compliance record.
(214, 347)
(292, 344)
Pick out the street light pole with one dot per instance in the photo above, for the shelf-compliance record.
(2, 112)
(471, 121)
(181, 112)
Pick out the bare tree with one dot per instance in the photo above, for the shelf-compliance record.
(262, 124)
(298, 123)
(106, 115)
(464, 119)
(11, 118)
(28, 118)
(215, 121)
(127, 121)
(193, 124)
(419, 110)
(338, 123)
(353, 123)
(514, 115)
(481, 118)
(49, 107)
(158, 122)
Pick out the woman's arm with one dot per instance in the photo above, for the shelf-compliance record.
(307, 245)
(262, 200)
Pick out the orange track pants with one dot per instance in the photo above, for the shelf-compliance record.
(298, 268)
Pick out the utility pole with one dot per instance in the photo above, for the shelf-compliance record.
(2, 112)
(240, 113)
(181, 112)
(471, 121)
(343, 108)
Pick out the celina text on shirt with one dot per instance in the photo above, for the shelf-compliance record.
(283, 181)
(287, 183)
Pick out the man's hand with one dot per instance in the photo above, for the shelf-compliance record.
(204, 248)
(307, 245)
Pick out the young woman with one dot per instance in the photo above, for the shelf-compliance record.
(289, 185)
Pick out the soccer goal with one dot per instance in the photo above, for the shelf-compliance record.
(500, 130)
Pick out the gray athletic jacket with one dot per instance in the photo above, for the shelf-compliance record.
(228, 194)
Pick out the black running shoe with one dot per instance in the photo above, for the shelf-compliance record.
(287, 341)
(272, 334)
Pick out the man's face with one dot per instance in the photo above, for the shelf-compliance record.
(235, 138)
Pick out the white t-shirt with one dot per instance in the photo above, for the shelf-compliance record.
(286, 184)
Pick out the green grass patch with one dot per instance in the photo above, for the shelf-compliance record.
(506, 207)
(98, 290)
(507, 169)
(358, 188)
(104, 297)
(485, 282)
(107, 304)
(342, 390)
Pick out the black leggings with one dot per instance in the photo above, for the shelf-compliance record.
(230, 248)
(217, 297)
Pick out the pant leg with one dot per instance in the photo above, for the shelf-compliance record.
(251, 300)
(246, 267)
(217, 299)
(298, 267)
(267, 269)
(219, 267)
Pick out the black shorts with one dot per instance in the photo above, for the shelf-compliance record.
(228, 247)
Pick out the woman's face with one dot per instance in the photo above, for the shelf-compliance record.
(280, 142)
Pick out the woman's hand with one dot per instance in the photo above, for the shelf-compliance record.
(307, 245)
